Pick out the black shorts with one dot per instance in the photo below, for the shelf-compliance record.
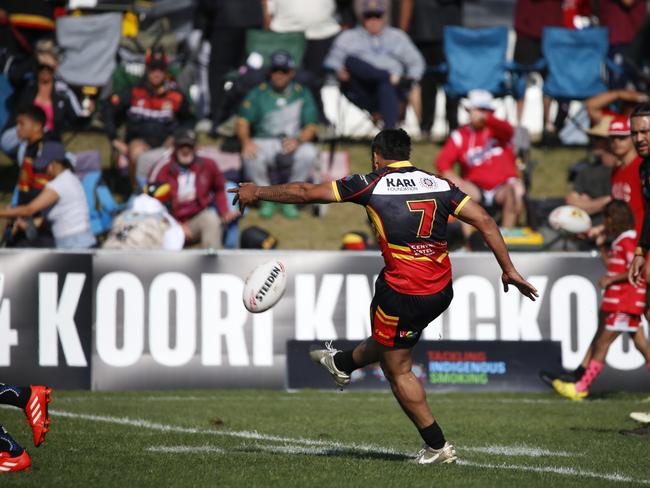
(398, 320)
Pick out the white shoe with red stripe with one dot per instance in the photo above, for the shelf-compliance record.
(10, 464)
(36, 411)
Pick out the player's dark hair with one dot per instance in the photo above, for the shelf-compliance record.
(33, 112)
(641, 111)
(392, 145)
(621, 217)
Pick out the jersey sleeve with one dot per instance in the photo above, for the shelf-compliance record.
(456, 200)
(355, 188)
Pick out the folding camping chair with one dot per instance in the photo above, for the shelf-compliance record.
(476, 59)
(576, 61)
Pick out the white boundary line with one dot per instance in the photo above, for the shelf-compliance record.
(327, 447)
(556, 470)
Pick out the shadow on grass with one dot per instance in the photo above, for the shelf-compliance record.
(328, 452)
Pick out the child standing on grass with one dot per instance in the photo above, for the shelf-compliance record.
(622, 303)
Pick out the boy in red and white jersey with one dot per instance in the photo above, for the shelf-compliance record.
(622, 303)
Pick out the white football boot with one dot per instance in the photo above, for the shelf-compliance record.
(445, 455)
(325, 357)
(642, 417)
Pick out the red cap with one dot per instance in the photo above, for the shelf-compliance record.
(619, 126)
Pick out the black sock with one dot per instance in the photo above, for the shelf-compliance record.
(8, 444)
(15, 395)
(433, 436)
(344, 362)
(579, 371)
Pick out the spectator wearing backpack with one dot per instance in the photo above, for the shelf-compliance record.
(198, 197)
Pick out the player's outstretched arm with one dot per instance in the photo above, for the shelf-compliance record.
(298, 192)
(474, 214)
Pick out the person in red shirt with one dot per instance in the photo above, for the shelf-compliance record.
(623, 19)
(626, 183)
(484, 151)
(622, 304)
(197, 187)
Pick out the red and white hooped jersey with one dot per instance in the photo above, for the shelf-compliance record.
(626, 186)
(622, 296)
(408, 209)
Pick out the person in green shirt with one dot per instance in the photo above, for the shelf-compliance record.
(276, 127)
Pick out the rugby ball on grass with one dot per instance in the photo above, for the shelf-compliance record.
(264, 286)
(570, 219)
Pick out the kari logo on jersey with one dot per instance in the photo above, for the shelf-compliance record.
(398, 184)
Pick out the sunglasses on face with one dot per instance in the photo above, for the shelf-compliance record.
(618, 138)
(280, 70)
(373, 15)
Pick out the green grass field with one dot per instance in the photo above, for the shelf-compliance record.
(260, 438)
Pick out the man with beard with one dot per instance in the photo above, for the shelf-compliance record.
(197, 188)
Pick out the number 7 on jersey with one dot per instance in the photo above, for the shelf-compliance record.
(427, 209)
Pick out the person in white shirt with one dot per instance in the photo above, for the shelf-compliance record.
(316, 18)
(62, 201)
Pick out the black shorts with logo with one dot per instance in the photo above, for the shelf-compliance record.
(397, 320)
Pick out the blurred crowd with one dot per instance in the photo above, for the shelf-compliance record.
(251, 73)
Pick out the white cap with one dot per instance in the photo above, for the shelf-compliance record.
(481, 99)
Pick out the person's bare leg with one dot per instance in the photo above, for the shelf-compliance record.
(406, 387)
(505, 198)
(641, 344)
(601, 346)
(136, 148)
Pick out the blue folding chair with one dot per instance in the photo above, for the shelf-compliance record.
(476, 59)
(576, 61)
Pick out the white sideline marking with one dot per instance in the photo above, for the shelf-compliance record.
(320, 451)
(253, 435)
(325, 447)
(185, 449)
(555, 470)
(519, 451)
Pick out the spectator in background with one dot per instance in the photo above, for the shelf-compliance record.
(276, 127)
(376, 64)
(614, 103)
(224, 24)
(623, 19)
(316, 19)
(626, 182)
(531, 16)
(36, 83)
(153, 109)
(484, 151)
(197, 193)
(32, 178)
(425, 20)
(65, 199)
(590, 179)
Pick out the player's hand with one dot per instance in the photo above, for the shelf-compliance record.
(244, 195)
(515, 279)
(635, 274)
(343, 74)
(604, 282)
